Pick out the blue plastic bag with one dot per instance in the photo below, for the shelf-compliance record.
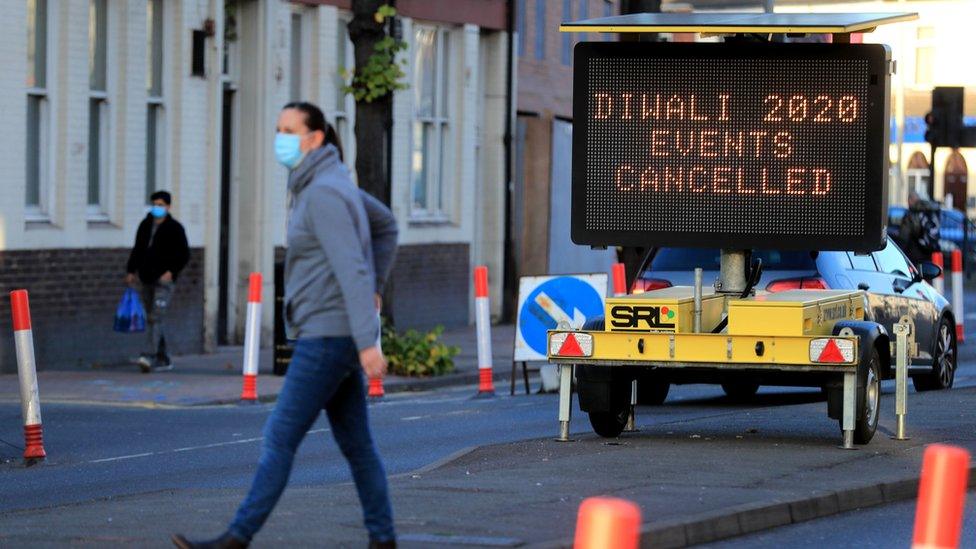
(130, 317)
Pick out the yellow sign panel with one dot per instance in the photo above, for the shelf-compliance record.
(794, 313)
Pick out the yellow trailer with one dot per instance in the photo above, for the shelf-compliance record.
(748, 144)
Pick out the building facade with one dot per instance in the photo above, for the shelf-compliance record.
(931, 51)
(107, 101)
(543, 137)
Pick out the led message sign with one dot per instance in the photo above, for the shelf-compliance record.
(742, 145)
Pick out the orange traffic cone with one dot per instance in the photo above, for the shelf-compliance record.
(941, 496)
(607, 523)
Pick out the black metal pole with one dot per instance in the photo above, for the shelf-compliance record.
(509, 273)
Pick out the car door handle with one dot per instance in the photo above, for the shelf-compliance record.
(863, 286)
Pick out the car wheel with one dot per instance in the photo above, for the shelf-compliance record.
(943, 361)
(652, 391)
(740, 390)
(609, 424)
(867, 409)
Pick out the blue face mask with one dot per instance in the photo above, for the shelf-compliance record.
(288, 149)
(158, 211)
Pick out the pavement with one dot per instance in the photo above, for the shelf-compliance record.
(216, 378)
(700, 469)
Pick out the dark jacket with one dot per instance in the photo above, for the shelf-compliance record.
(167, 250)
(333, 265)
(913, 234)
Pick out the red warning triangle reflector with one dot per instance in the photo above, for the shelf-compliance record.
(570, 347)
(831, 353)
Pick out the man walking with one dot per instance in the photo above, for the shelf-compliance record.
(919, 232)
(159, 254)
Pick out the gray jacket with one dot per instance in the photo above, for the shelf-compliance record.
(341, 245)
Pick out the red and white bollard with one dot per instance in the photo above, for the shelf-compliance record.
(619, 280)
(958, 298)
(30, 401)
(252, 339)
(482, 318)
(941, 497)
(939, 282)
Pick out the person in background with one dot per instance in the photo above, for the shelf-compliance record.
(341, 244)
(919, 232)
(159, 254)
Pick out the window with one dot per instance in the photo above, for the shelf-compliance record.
(890, 260)
(344, 110)
(584, 13)
(430, 137)
(296, 57)
(520, 26)
(862, 262)
(566, 53)
(97, 105)
(37, 109)
(540, 29)
(918, 181)
(154, 86)
(925, 56)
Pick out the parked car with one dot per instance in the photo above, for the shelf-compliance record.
(950, 229)
(893, 285)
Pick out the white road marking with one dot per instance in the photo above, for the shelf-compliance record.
(190, 448)
(412, 418)
(970, 316)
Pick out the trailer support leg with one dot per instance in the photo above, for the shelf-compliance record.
(631, 419)
(903, 330)
(850, 401)
(565, 400)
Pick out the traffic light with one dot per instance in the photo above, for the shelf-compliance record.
(935, 128)
(944, 126)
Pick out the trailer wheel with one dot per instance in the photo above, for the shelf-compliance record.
(867, 409)
(609, 424)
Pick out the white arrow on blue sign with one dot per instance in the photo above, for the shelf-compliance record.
(547, 301)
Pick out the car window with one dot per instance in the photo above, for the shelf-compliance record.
(686, 259)
(862, 262)
(890, 260)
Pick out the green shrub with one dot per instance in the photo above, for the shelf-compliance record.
(417, 354)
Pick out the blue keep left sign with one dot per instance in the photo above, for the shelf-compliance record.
(545, 301)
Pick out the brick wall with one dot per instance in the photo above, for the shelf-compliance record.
(431, 285)
(73, 296)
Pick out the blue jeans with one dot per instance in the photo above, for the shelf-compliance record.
(324, 374)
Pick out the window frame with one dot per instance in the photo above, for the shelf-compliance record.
(924, 47)
(853, 258)
(155, 97)
(521, 15)
(37, 159)
(540, 30)
(566, 49)
(342, 113)
(99, 131)
(295, 49)
(436, 209)
(895, 252)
